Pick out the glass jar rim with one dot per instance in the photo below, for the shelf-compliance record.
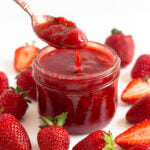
(103, 74)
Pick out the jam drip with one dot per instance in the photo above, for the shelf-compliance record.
(78, 62)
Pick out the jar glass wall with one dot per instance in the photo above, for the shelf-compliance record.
(90, 100)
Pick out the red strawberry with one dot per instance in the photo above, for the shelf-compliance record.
(123, 45)
(140, 147)
(52, 136)
(140, 110)
(3, 82)
(138, 134)
(14, 102)
(12, 134)
(98, 140)
(135, 90)
(141, 67)
(26, 82)
(24, 56)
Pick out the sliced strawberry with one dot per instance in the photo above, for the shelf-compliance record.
(136, 89)
(138, 134)
(24, 56)
(140, 147)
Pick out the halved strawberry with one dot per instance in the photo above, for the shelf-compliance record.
(136, 89)
(24, 56)
(140, 147)
(138, 134)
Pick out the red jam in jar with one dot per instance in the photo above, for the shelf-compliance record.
(88, 94)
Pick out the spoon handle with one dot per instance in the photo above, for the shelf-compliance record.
(24, 6)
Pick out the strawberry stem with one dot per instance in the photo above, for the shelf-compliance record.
(115, 31)
(33, 42)
(1, 110)
(27, 44)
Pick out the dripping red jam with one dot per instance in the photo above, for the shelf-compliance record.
(88, 94)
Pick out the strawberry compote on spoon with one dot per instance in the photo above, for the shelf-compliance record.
(58, 32)
(61, 33)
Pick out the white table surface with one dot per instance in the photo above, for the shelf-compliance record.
(97, 18)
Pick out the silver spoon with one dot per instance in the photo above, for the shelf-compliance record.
(59, 36)
(36, 19)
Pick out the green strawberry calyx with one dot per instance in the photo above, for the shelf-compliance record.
(56, 121)
(115, 31)
(147, 79)
(110, 144)
(32, 43)
(1, 110)
(24, 94)
(22, 71)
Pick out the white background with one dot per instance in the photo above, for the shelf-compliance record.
(96, 18)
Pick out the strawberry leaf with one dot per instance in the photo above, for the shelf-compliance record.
(50, 118)
(18, 89)
(47, 120)
(12, 88)
(22, 71)
(115, 31)
(24, 94)
(43, 125)
(1, 110)
(28, 100)
(147, 78)
(109, 142)
(60, 119)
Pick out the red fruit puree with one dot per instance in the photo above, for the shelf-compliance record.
(85, 87)
(61, 33)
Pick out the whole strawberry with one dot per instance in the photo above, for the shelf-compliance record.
(123, 45)
(98, 140)
(141, 68)
(139, 111)
(137, 134)
(3, 82)
(12, 134)
(52, 135)
(14, 102)
(26, 82)
(140, 147)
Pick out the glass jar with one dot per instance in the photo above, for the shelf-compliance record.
(90, 100)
